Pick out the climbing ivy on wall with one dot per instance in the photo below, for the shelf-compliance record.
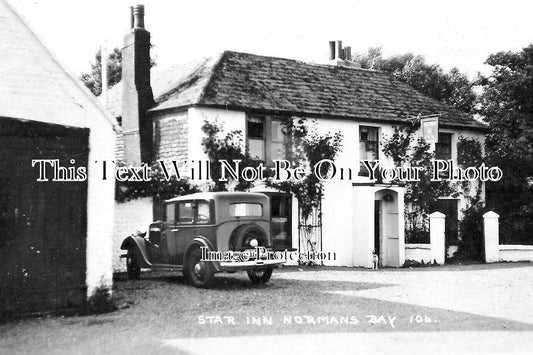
(158, 187)
(229, 146)
(469, 153)
(304, 147)
(405, 149)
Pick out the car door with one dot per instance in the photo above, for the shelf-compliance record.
(184, 229)
(159, 247)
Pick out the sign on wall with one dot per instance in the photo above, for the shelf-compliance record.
(430, 129)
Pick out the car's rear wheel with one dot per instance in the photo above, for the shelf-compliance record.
(260, 276)
(199, 272)
(132, 264)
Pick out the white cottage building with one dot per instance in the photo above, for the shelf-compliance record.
(55, 237)
(162, 114)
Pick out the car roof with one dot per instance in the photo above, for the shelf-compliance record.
(227, 196)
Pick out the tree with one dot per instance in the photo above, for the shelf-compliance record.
(93, 79)
(506, 104)
(453, 88)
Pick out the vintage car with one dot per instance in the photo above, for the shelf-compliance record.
(206, 233)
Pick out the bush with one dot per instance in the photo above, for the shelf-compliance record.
(101, 301)
(471, 226)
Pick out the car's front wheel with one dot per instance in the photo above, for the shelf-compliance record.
(132, 264)
(200, 272)
(260, 276)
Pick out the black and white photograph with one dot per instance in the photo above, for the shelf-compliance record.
(283, 177)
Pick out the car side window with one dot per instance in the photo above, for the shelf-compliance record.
(185, 213)
(204, 213)
(170, 216)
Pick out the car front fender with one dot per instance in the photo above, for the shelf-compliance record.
(139, 244)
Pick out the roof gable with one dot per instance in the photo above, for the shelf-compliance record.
(34, 84)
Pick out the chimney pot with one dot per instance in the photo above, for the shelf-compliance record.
(138, 15)
(331, 50)
(132, 21)
(338, 50)
(348, 53)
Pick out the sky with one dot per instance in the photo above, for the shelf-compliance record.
(451, 33)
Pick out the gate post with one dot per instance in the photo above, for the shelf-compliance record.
(492, 237)
(436, 237)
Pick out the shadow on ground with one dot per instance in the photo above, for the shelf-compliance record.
(162, 306)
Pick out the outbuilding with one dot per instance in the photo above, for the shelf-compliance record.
(55, 236)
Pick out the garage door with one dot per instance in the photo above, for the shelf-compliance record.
(42, 224)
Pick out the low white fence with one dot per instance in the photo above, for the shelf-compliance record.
(494, 251)
(418, 252)
(434, 252)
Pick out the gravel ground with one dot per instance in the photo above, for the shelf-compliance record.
(160, 308)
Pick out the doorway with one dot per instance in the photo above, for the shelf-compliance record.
(377, 229)
(280, 218)
(386, 227)
(43, 226)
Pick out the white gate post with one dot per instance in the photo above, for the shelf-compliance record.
(436, 237)
(492, 237)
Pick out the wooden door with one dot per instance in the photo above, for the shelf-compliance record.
(42, 224)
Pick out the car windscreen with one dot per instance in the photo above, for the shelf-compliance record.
(245, 209)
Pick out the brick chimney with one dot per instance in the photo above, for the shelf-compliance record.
(137, 96)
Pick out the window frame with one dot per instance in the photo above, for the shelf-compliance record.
(267, 139)
(439, 144)
(247, 203)
(195, 220)
(362, 168)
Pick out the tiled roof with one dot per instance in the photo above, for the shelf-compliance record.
(251, 82)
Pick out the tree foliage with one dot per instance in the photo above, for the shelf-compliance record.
(506, 104)
(470, 153)
(93, 79)
(453, 87)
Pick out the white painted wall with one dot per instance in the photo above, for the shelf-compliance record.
(38, 87)
(418, 252)
(338, 203)
(347, 210)
(100, 205)
(516, 253)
